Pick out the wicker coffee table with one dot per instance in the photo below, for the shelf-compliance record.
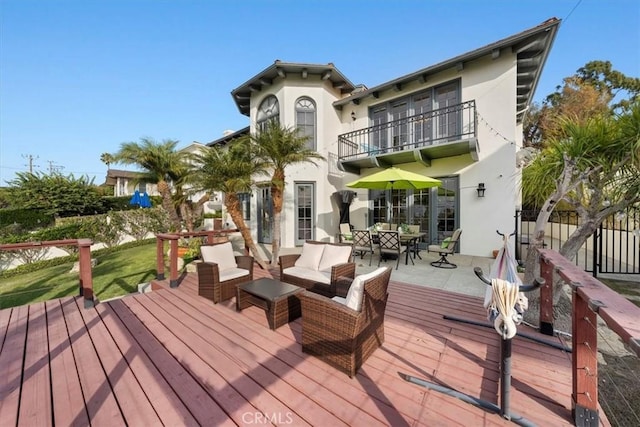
(278, 299)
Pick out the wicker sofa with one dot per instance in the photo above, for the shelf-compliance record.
(318, 267)
(220, 271)
(344, 332)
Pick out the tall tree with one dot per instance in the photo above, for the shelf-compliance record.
(594, 166)
(593, 90)
(107, 159)
(160, 163)
(230, 170)
(281, 147)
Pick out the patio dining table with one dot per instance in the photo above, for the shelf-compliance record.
(408, 239)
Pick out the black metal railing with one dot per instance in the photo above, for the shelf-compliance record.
(613, 248)
(453, 123)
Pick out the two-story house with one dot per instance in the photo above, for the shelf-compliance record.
(459, 121)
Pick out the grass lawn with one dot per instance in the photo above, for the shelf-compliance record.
(116, 274)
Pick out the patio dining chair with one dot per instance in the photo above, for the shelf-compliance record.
(416, 244)
(346, 235)
(448, 247)
(362, 244)
(389, 244)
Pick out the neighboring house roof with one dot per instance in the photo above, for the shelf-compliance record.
(531, 46)
(242, 94)
(194, 147)
(114, 174)
(229, 137)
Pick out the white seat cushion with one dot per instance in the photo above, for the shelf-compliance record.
(356, 290)
(221, 254)
(310, 256)
(333, 255)
(341, 300)
(307, 273)
(232, 273)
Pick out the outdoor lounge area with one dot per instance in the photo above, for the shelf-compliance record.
(173, 357)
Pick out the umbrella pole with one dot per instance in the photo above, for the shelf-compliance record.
(505, 380)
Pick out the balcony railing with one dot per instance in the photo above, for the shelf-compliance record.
(454, 123)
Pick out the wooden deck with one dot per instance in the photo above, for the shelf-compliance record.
(170, 357)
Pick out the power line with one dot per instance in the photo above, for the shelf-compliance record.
(574, 8)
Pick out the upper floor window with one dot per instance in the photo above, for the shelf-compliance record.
(418, 119)
(306, 121)
(268, 110)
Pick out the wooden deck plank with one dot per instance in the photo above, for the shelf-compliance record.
(5, 316)
(98, 397)
(344, 381)
(199, 363)
(132, 400)
(35, 410)
(167, 405)
(269, 355)
(65, 383)
(142, 325)
(280, 340)
(424, 319)
(238, 378)
(11, 365)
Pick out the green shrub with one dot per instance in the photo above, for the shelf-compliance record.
(29, 219)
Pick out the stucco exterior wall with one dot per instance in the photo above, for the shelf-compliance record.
(490, 82)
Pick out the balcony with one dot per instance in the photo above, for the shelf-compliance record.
(445, 132)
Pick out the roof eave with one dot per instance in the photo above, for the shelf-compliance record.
(279, 70)
(547, 26)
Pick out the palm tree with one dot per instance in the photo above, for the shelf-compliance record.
(107, 159)
(280, 147)
(161, 165)
(230, 170)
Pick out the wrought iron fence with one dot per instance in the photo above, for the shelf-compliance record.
(613, 248)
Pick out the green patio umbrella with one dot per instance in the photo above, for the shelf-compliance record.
(394, 178)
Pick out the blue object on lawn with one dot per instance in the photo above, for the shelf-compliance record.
(135, 199)
(145, 201)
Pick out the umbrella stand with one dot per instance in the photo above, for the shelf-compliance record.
(505, 368)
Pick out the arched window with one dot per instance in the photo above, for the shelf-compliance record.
(306, 120)
(268, 110)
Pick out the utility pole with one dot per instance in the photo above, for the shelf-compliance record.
(30, 158)
(53, 168)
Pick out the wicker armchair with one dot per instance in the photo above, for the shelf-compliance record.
(219, 284)
(340, 336)
(342, 270)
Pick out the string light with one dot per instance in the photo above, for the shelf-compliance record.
(494, 130)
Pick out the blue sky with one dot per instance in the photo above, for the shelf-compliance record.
(78, 78)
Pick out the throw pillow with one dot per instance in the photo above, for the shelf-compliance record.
(445, 243)
(310, 256)
(221, 254)
(333, 255)
(356, 290)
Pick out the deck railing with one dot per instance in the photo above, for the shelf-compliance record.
(84, 261)
(173, 238)
(453, 123)
(590, 298)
